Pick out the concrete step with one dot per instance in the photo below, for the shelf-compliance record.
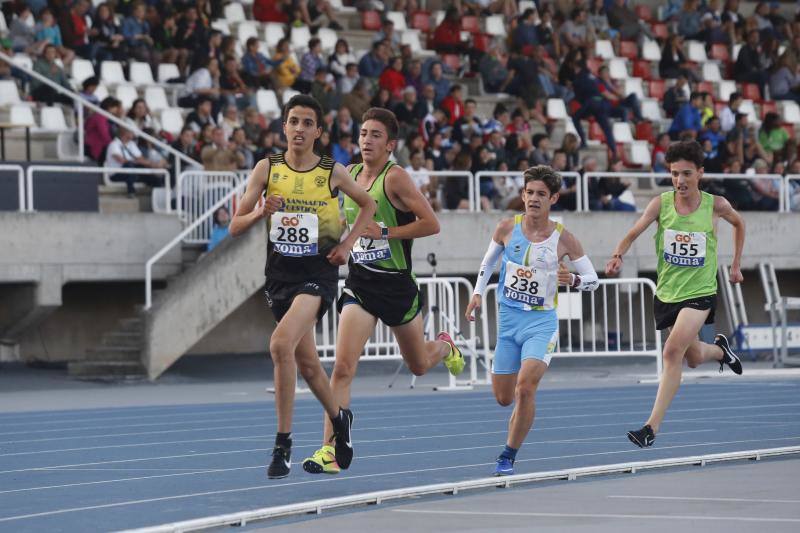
(107, 370)
(190, 253)
(131, 325)
(121, 338)
(115, 353)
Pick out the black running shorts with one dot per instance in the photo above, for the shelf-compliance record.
(394, 298)
(280, 295)
(667, 313)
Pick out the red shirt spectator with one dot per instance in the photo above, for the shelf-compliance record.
(392, 78)
(453, 104)
(97, 129)
(73, 26)
(447, 36)
(269, 11)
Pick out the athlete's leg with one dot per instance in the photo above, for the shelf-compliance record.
(525, 401)
(355, 328)
(420, 355)
(296, 323)
(311, 369)
(681, 336)
(700, 352)
(503, 386)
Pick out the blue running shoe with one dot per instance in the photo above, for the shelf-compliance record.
(505, 467)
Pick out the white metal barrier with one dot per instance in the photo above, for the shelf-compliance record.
(609, 322)
(20, 184)
(472, 198)
(148, 268)
(198, 190)
(579, 192)
(792, 190)
(441, 312)
(93, 170)
(782, 181)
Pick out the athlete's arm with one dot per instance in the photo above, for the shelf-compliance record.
(249, 212)
(724, 210)
(586, 278)
(493, 254)
(649, 216)
(405, 195)
(366, 210)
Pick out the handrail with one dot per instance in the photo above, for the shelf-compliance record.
(491, 173)
(472, 198)
(179, 185)
(94, 170)
(148, 267)
(782, 203)
(20, 184)
(78, 99)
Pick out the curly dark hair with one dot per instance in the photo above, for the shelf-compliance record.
(687, 151)
(545, 174)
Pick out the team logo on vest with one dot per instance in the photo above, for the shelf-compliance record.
(320, 181)
(276, 177)
(298, 185)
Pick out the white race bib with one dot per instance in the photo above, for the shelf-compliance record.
(525, 284)
(294, 234)
(367, 250)
(685, 248)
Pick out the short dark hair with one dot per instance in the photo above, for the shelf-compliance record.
(91, 80)
(251, 41)
(303, 100)
(734, 96)
(109, 102)
(314, 41)
(385, 117)
(695, 94)
(537, 138)
(687, 151)
(546, 175)
(470, 101)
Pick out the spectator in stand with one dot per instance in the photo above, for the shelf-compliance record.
(456, 190)
(571, 147)
(546, 33)
(388, 35)
(727, 118)
(687, 120)
(344, 150)
(447, 35)
(440, 84)
(751, 64)
(468, 123)
(88, 88)
(191, 34)
(592, 104)
(286, 69)
(422, 180)
(46, 66)
(340, 58)
(239, 141)
(347, 83)
(167, 44)
(519, 123)
(313, 13)
(673, 61)
(525, 35)
(392, 78)
(492, 67)
(344, 124)
(256, 68)
(265, 145)
(22, 33)
(599, 21)
(707, 111)
(136, 31)
(358, 101)
(310, 64)
(74, 32)
(541, 149)
(614, 193)
(623, 106)
(676, 96)
(230, 120)
(409, 112)
(210, 48)
(139, 115)
(527, 83)
(204, 138)
(766, 191)
(437, 154)
(233, 88)
(784, 82)
(106, 36)
(123, 152)
(203, 82)
(373, 64)
(323, 89)
(577, 32)
(219, 230)
(413, 75)
(713, 134)
(659, 153)
(252, 125)
(623, 19)
(689, 20)
(97, 129)
(453, 104)
(185, 142)
(428, 98)
(221, 154)
(775, 139)
(47, 31)
(202, 115)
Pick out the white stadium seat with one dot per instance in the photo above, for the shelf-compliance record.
(495, 26)
(156, 98)
(618, 69)
(126, 94)
(399, 20)
(273, 32)
(9, 94)
(696, 51)
(101, 92)
(172, 120)
(168, 71)
(111, 72)
(651, 51)
(622, 132)
(140, 74)
(22, 115)
(22, 61)
(287, 95)
(267, 102)
(300, 38)
(328, 39)
(640, 153)
(221, 25)
(248, 29)
(604, 49)
(711, 72)
(81, 69)
(234, 12)
(634, 85)
(556, 109)
(651, 110)
(52, 119)
(725, 88)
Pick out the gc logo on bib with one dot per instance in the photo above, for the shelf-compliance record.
(684, 248)
(294, 234)
(525, 284)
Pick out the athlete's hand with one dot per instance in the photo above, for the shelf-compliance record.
(474, 304)
(271, 204)
(613, 266)
(338, 255)
(736, 274)
(564, 277)
(372, 231)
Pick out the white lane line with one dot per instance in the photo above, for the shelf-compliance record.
(394, 417)
(334, 479)
(701, 499)
(603, 515)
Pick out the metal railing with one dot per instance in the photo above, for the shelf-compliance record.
(615, 302)
(579, 189)
(472, 197)
(788, 188)
(92, 170)
(782, 180)
(196, 191)
(81, 103)
(148, 268)
(21, 206)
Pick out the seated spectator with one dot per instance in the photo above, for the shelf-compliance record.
(422, 180)
(191, 35)
(453, 104)
(687, 120)
(23, 35)
(341, 58)
(88, 88)
(388, 35)
(323, 89)
(689, 25)
(468, 123)
(492, 67)
(123, 152)
(373, 64)
(74, 30)
(240, 145)
(456, 190)
(766, 191)
(47, 67)
(598, 19)
(256, 68)
(546, 34)
(185, 142)
(659, 162)
(784, 82)
(344, 124)
(392, 78)
(592, 104)
(310, 64)
(270, 11)
(347, 83)
(541, 149)
(623, 19)
(358, 101)
(727, 117)
(139, 114)
(48, 31)
(447, 35)
(233, 88)
(525, 35)
(775, 139)
(136, 31)
(106, 36)
(219, 230)
(441, 85)
(614, 193)
(97, 129)
(203, 83)
(751, 65)
(286, 68)
(409, 112)
(265, 146)
(382, 98)
(714, 134)
(577, 32)
(167, 43)
(676, 96)
(201, 116)
(221, 154)
(230, 120)
(252, 125)
(314, 13)
(623, 106)
(344, 149)
(707, 110)
(673, 62)
(571, 147)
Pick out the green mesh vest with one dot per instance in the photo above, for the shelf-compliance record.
(390, 255)
(687, 251)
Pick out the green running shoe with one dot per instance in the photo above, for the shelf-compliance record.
(454, 361)
(322, 462)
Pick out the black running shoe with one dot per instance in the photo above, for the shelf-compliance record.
(643, 438)
(343, 442)
(281, 462)
(728, 357)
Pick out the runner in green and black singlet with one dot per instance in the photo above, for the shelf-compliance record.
(686, 291)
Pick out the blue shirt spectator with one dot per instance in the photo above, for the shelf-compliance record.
(688, 117)
(373, 63)
(133, 27)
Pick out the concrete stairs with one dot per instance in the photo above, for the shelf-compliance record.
(117, 357)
